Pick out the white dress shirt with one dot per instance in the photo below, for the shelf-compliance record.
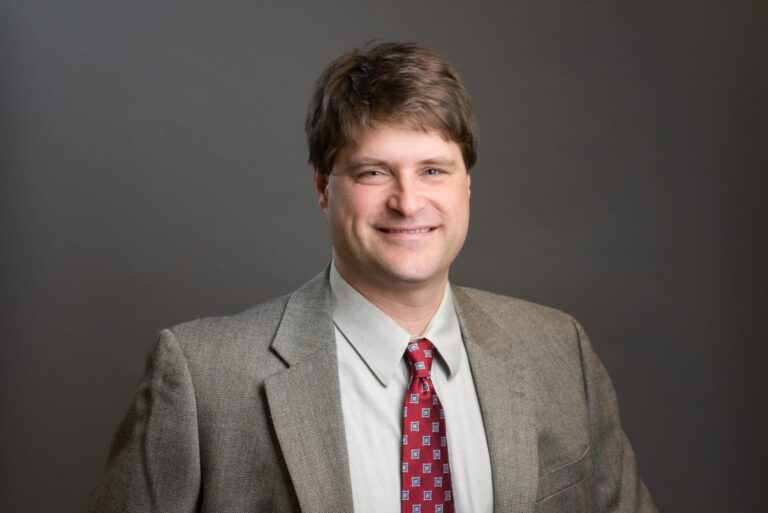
(374, 377)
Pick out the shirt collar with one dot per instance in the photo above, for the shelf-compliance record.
(380, 341)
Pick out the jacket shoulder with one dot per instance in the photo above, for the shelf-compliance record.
(267, 312)
(519, 315)
(227, 342)
(545, 337)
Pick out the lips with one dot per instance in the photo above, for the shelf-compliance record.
(408, 231)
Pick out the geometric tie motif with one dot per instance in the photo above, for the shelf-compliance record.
(426, 475)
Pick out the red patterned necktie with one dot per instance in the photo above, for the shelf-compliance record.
(426, 478)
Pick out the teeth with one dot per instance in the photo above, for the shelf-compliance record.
(420, 230)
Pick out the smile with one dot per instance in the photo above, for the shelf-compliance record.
(407, 231)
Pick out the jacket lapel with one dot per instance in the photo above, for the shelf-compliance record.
(506, 394)
(305, 402)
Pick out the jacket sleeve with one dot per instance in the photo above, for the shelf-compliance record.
(154, 463)
(617, 487)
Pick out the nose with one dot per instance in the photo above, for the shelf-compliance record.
(406, 197)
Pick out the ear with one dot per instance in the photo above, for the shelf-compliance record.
(321, 189)
(469, 184)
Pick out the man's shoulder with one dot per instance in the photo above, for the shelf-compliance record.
(521, 327)
(254, 315)
(512, 312)
(246, 332)
(252, 331)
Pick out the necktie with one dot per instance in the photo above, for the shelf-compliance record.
(426, 478)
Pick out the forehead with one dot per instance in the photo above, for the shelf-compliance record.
(399, 144)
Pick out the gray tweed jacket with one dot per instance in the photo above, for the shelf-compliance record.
(242, 414)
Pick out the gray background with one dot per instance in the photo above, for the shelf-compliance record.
(153, 171)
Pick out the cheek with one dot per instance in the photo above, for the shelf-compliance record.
(350, 211)
(361, 206)
(457, 204)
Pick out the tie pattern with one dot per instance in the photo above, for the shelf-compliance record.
(426, 477)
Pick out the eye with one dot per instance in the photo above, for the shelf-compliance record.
(433, 171)
(372, 176)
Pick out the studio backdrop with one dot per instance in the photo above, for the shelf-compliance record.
(154, 170)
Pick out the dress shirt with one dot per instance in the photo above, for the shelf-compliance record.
(374, 376)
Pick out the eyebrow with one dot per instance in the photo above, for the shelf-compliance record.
(358, 162)
(438, 162)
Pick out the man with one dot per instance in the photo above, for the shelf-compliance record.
(378, 386)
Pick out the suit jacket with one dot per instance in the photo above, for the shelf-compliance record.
(243, 414)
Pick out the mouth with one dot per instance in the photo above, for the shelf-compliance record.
(409, 231)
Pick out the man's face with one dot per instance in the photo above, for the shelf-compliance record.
(397, 206)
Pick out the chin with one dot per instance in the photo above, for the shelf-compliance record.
(410, 274)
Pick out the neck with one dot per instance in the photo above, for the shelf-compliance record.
(410, 306)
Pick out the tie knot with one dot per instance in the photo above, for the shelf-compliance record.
(419, 353)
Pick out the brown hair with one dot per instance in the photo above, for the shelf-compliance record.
(388, 83)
